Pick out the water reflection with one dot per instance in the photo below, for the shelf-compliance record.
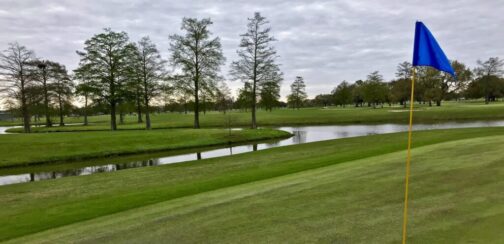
(302, 134)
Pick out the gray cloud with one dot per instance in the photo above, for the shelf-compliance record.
(324, 41)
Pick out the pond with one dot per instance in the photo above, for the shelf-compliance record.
(301, 134)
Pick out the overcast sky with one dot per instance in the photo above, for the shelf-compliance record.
(323, 41)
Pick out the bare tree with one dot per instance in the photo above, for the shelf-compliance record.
(199, 56)
(150, 70)
(257, 59)
(15, 77)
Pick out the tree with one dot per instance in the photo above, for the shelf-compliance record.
(256, 64)
(270, 93)
(298, 93)
(244, 96)
(342, 94)
(374, 90)
(464, 76)
(487, 72)
(15, 75)
(223, 97)
(149, 69)
(44, 74)
(199, 56)
(404, 70)
(105, 58)
(62, 87)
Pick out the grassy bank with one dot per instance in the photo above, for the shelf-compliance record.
(34, 207)
(25, 149)
(356, 202)
(450, 111)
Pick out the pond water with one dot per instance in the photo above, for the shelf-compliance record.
(301, 134)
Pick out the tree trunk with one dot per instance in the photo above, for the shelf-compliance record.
(147, 112)
(113, 123)
(85, 110)
(438, 103)
(24, 109)
(46, 101)
(139, 107)
(61, 123)
(196, 105)
(254, 124)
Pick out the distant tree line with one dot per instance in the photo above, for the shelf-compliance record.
(431, 87)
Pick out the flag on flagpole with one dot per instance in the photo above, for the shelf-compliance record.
(427, 51)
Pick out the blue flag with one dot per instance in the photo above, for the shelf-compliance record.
(427, 51)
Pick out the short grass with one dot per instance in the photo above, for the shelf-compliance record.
(450, 111)
(360, 200)
(25, 149)
(452, 201)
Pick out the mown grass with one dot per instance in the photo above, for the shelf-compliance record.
(450, 111)
(26, 149)
(38, 206)
(452, 201)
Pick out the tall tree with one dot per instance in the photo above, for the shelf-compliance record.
(62, 87)
(489, 70)
(298, 93)
(105, 56)
(85, 88)
(374, 90)
(257, 58)
(149, 70)
(15, 75)
(43, 74)
(198, 55)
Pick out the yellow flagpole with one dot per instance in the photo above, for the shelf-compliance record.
(408, 158)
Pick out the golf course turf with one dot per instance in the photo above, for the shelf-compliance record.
(26, 149)
(450, 111)
(346, 190)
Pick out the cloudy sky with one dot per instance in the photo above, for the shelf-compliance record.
(323, 41)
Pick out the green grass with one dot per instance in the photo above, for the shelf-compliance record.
(336, 197)
(450, 111)
(26, 149)
(355, 202)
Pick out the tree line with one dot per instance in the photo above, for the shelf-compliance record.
(117, 76)
(431, 87)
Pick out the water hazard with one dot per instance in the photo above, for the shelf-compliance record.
(302, 134)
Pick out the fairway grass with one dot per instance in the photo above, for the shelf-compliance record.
(28, 149)
(342, 201)
(450, 111)
(355, 202)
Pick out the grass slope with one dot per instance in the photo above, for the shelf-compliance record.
(33, 207)
(452, 201)
(24, 149)
(450, 111)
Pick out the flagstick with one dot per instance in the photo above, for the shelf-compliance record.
(408, 158)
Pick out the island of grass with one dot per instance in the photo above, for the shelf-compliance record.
(345, 190)
(450, 111)
(38, 148)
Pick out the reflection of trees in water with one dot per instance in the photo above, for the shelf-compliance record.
(198, 156)
(254, 147)
(273, 143)
(299, 136)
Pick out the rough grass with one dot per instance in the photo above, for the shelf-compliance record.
(25, 149)
(371, 191)
(450, 111)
